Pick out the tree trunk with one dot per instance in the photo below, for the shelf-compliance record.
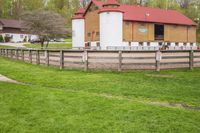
(47, 44)
(42, 43)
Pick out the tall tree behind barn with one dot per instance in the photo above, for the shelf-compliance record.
(46, 24)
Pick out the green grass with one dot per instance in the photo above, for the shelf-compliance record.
(62, 101)
(59, 45)
(68, 39)
(4, 46)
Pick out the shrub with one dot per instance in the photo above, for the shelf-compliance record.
(1, 38)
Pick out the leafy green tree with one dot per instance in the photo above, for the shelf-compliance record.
(5, 8)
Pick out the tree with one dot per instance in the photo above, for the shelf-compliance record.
(46, 24)
(5, 8)
(84, 3)
(1, 38)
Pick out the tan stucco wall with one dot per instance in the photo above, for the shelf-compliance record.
(192, 35)
(135, 31)
(172, 33)
(92, 24)
(176, 33)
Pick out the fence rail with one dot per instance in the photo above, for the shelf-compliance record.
(108, 59)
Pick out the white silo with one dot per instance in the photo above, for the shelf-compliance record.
(78, 29)
(111, 25)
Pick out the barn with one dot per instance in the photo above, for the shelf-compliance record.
(111, 25)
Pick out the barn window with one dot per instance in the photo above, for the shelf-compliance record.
(98, 44)
(148, 43)
(129, 43)
(97, 33)
(191, 44)
(160, 43)
(176, 43)
(141, 43)
(89, 34)
(142, 24)
(96, 8)
(185, 44)
(88, 44)
(159, 32)
(127, 23)
(7, 35)
(168, 44)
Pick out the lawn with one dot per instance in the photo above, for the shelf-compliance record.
(53, 100)
(68, 39)
(4, 46)
(51, 45)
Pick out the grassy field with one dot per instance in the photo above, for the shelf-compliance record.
(53, 100)
(68, 39)
(4, 46)
(51, 45)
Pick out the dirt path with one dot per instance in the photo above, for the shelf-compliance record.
(5, 79)
(158, 103)
(17, 45)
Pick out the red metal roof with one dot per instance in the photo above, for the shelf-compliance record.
(156, 15)
(145, 14)
(79, 14)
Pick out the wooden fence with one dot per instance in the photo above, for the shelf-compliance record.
(109, 60)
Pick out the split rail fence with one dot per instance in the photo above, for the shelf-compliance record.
(109, 60)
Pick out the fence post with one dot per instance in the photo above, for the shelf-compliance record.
(191, 58)
(37, 57)
(47, 57)
(11, 53)
(120, 61)
(6, 52)
(61, 59)
(22, 54)
(17, 54)
(85, 60)
(30, 56)
(158, 59)
(3, 52)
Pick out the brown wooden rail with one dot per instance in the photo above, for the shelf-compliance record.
(107, 59)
